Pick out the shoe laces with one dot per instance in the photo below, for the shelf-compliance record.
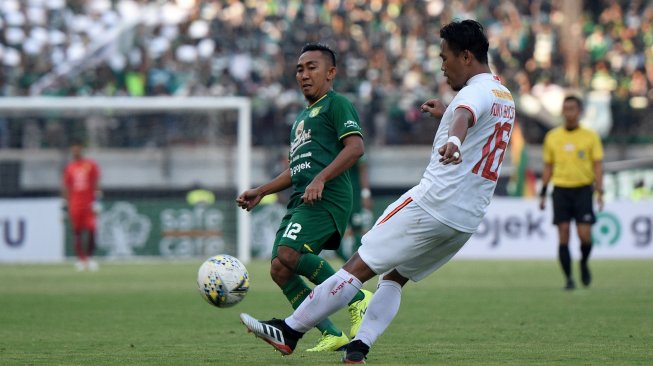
(355, 312)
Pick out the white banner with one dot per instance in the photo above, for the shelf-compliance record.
(31, 230)
(516, 228)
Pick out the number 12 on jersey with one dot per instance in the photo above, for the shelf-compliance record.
(490, 169)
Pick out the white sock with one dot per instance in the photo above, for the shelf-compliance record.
(383, 307)
(325, 299)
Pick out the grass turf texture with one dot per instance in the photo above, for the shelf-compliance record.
(469, 312)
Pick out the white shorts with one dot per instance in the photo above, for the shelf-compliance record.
(410, 240)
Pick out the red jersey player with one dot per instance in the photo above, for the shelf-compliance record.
(80, 184)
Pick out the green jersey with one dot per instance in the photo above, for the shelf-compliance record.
(315, 141)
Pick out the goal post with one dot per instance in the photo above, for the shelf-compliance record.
(19, 106)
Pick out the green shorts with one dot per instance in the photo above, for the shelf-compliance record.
(307, 229)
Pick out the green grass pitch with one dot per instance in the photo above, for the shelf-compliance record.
(468, 313)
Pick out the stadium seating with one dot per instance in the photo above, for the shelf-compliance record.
(388, 55)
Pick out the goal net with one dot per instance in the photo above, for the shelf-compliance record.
(152, 152)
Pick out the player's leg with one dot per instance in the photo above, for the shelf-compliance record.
(375, 256)
(584, 219)
(324, 300)
(381, 311)
(331, 295)
(90, 225)
(358, 305)
(312, 229)
(564, 256)
(292, 259)
(585, 235)
(76, 223)
(428, 245)
(293, 235)
(562, 214)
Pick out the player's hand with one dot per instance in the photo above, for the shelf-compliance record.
(313, 192)
(450, 154)
(599, 201)
(249, 199)
(434, 107)
(542, 203)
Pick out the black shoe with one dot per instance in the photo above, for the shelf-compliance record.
(275, 332)
(585, 275)
(571, 285)
(355, 352)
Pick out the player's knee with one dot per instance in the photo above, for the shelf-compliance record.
(358, 268)
(288, 257)
(279, 273)
(394, 276)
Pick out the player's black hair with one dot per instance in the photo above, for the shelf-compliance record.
(326, 50)
(575, 99)
(466, 35)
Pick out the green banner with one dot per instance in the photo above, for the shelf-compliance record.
(162, 227)
(173, 229)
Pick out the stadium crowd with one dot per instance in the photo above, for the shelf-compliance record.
(388, 58)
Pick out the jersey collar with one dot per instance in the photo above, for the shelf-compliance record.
(317, 101)
(484, 76)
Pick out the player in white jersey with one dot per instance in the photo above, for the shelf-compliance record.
(429, 224)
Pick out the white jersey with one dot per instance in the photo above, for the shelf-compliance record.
(458, 195)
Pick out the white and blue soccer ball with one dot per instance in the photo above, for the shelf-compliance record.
(223, 280)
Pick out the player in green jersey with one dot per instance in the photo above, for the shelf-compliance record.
(325, 141)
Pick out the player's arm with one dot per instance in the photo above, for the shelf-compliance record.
(547, 172)
(352, 151)
(463, 119)
(598, 183)
(251, 197)
(65, 193)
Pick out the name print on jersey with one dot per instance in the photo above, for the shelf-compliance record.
(301, 138)
(496, 144)
(503, 111)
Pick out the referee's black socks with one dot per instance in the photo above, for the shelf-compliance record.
(585, 250)
(565, 259)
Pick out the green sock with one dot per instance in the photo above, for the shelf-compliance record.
(296, 291)
(317, 270)
(314, 267)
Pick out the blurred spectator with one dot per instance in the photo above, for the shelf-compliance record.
(640, 191)
(200, 196)
(388, 52)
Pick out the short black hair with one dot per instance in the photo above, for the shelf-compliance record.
(326, 50)
(574, 98)
(466, 35)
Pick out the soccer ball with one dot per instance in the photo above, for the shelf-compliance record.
(223, 281)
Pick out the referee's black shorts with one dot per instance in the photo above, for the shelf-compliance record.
(573, 203)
